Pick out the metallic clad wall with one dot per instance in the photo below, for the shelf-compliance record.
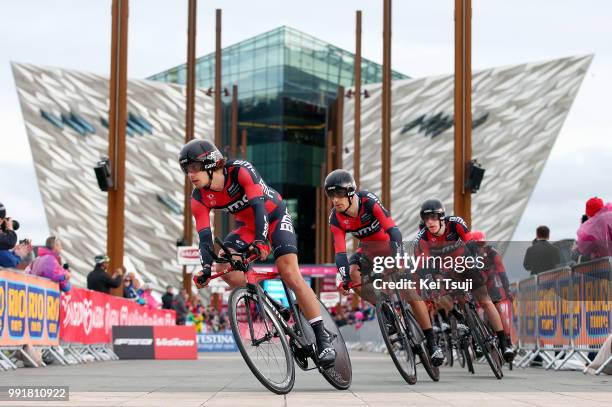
(521, 109)
(74, 205)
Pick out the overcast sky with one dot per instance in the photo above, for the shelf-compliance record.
(76, 35)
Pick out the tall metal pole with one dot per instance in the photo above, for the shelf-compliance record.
(463, 107)
(357, 135)
(115, 221)
(386, 106)
(243, 144)
(189, 128)
(218, 113)
(339, 133)
(234, 135)
(234, 123)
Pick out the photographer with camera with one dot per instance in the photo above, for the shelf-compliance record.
(8, 226)
(10, 253)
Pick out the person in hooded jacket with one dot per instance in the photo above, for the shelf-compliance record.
(49, 264)
(594, 236)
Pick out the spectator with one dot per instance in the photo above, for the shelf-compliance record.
(167, 298)
(8, 237)
(594, 237)
(146, 294)
(99, 280)
(542, 255)
(130, 286)
(179, 305)
(12, 258)
(49, 264)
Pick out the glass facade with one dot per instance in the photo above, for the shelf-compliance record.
(286, 80)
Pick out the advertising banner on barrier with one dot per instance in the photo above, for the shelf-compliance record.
(176, 342)
(217, 342)
(514, 315)
(550, 306)
(594, 279)
(87, 316)
(527, 311)
(29, 310)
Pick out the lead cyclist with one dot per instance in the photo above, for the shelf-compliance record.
(261, 216)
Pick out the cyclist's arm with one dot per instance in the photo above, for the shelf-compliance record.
(461, 227)
(201, 214)
(339, 240)
(388, 225)
(249, 180)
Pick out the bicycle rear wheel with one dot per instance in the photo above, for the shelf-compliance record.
(397, 343)
(261, 341)
(487, 342)
(341, 374)
(416, 333)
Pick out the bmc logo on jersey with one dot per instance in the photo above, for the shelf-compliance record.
(286, 223)
(459, 220)
(238, 205)
(246, 164)
(266, 189)
(368, 229)
(375, 199)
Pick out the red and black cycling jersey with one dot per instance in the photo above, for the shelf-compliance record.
(245, 195)
(449, 243)
(494, 273)
(372, 224)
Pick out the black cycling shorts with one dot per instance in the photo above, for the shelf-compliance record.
(281, 234)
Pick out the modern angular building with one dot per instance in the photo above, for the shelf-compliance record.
(286, 81)
(518, 112)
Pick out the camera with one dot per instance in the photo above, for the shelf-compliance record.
(15, 225)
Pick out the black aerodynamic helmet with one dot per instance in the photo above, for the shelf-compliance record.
(340, 181)
(203, 151)
(432, 205)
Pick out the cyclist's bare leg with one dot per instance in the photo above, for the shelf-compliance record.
(503, 319)
(290, 273)
(367, 293)
(421, 313)
(482, 296)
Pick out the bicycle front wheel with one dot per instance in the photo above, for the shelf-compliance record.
(397, 343)
(261, 341)
(487, 342)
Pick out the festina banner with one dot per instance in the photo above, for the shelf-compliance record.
(217, 342)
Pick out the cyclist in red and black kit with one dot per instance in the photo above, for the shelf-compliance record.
(261, 216)
(447, 236)
(361, 213)
(496, 279)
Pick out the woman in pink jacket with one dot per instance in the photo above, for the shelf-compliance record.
(49, 265)
(595, 235)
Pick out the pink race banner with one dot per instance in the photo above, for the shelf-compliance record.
(308, 270)
(87, 317)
